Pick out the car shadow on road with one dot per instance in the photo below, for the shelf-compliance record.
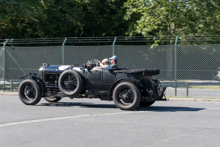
(72, 104)
(112, 106)
(167, 109)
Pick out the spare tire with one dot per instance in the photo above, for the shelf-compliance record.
(71, 83)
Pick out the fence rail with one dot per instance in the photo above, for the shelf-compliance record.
(191, 62)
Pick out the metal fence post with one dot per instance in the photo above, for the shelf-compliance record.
(113, 46)
(187, 89)
(11, 86)
(1, 52)
(4, 63)
(63, 54)
(176, 65)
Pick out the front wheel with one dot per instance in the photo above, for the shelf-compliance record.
(29, 92)
(126, 96)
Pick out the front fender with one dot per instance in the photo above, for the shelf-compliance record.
(38, 81)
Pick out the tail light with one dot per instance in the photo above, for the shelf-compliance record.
(161, 88)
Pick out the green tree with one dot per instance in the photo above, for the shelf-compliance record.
(172, 17)
(84, 18)
(16, 15)
(105, 18)
(66, 18)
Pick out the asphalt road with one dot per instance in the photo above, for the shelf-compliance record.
(89, 123)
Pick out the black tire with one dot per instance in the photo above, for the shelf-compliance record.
(126, 96)
(29, 92)
(71, 83)
(162, 95)
(52, 99)
(146, 104)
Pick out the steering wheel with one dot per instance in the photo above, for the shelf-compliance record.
(90, 66)
(97, 64)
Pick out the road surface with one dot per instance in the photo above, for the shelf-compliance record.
(91, 122)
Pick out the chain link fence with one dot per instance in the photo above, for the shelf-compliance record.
(188, 70)
(1, 63)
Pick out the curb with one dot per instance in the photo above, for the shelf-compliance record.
(9, 93)
(194, 99)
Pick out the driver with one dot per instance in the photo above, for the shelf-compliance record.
(104, 65)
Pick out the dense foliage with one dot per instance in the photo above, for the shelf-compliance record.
(87, 18)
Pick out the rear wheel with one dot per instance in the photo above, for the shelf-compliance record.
(29, 92)
(126, 96)
(146, 104)
(70, 83)
(52, 99)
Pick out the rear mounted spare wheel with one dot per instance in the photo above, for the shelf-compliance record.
(29, 92)
(71, 83)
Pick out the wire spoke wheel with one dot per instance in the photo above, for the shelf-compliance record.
(126, 96)
(29, 92)
(70, 83)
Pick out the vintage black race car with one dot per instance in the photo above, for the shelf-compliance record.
(128, 88)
